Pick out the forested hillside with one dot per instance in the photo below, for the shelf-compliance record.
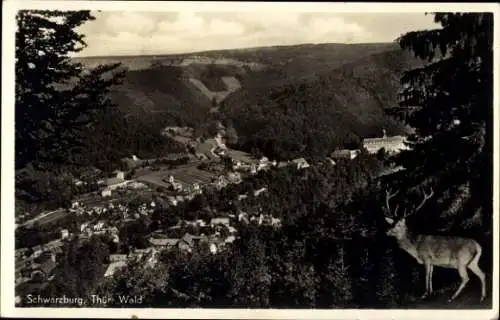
(303, 100)
(336, 108)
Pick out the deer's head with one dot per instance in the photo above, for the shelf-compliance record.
(398, 228)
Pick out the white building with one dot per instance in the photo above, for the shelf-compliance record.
(394, 144)
(301, 163)
(119, 174)
(64, 234)
(106, 193)
(256, 193)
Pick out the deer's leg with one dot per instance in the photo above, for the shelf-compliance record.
(431, 270)
(473, 266)
(462, 270)
(427, 274)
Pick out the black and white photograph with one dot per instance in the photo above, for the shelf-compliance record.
(236, 160)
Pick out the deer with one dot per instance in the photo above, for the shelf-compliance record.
(435, 250)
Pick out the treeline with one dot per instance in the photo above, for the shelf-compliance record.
(330, 252)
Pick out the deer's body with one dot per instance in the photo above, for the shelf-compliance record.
(441, 251)
(435, 250)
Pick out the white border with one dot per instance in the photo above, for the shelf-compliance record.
(7, 218)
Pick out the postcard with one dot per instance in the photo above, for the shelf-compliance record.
(250, 160)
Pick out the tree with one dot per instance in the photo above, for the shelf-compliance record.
(80, 270)
(55, 98)
(231, 135)
(448, 102)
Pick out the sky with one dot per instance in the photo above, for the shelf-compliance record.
(144, 33)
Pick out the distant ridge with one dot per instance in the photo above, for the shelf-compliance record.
(175, 54)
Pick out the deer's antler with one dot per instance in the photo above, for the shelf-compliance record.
(427, 196)
(388, 197)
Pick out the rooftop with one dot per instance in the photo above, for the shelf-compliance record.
(163, 242)
(299, 160)
(112, 181)
(392, 139)
(113, 267)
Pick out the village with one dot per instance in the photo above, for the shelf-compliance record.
(165, 182)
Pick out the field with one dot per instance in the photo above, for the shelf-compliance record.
(241, 156)
(187, 174)
(193, 175)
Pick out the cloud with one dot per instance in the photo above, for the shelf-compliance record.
(129, 22)
(123, 33)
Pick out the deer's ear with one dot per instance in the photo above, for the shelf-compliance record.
(389, 220)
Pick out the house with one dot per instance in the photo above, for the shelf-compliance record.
(64, 234)
(78, 182)
(98, 226)
(344, 154)
(163, 243)
(220, 182)
(256, 193)
(332, 162)
(263, 160)
(196, 223)
(234, 177)
(301, 163)
(201, 156)
(253, 168)
(243, 217)
(219, 221)
(275, 222)
(113, 267)
(84, 226)
(213, 248)
(119, 174)
(136, 185)
(113, 230)
(188, 241)
(214, 243)
(177, 186)
(237, 164)
(116, 238)
(172, 200)
(242, 196)
(282, 164)
(117, 257)
(149, 256)
(230, 239)
(394, 144)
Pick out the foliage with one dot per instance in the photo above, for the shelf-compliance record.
(80, 269)
(453, 139)
(55, 98)
(315, 115)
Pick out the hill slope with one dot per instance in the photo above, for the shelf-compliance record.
(160, 84)
(284, 101)
(316, 114)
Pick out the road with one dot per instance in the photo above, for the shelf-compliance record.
(46, 217)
